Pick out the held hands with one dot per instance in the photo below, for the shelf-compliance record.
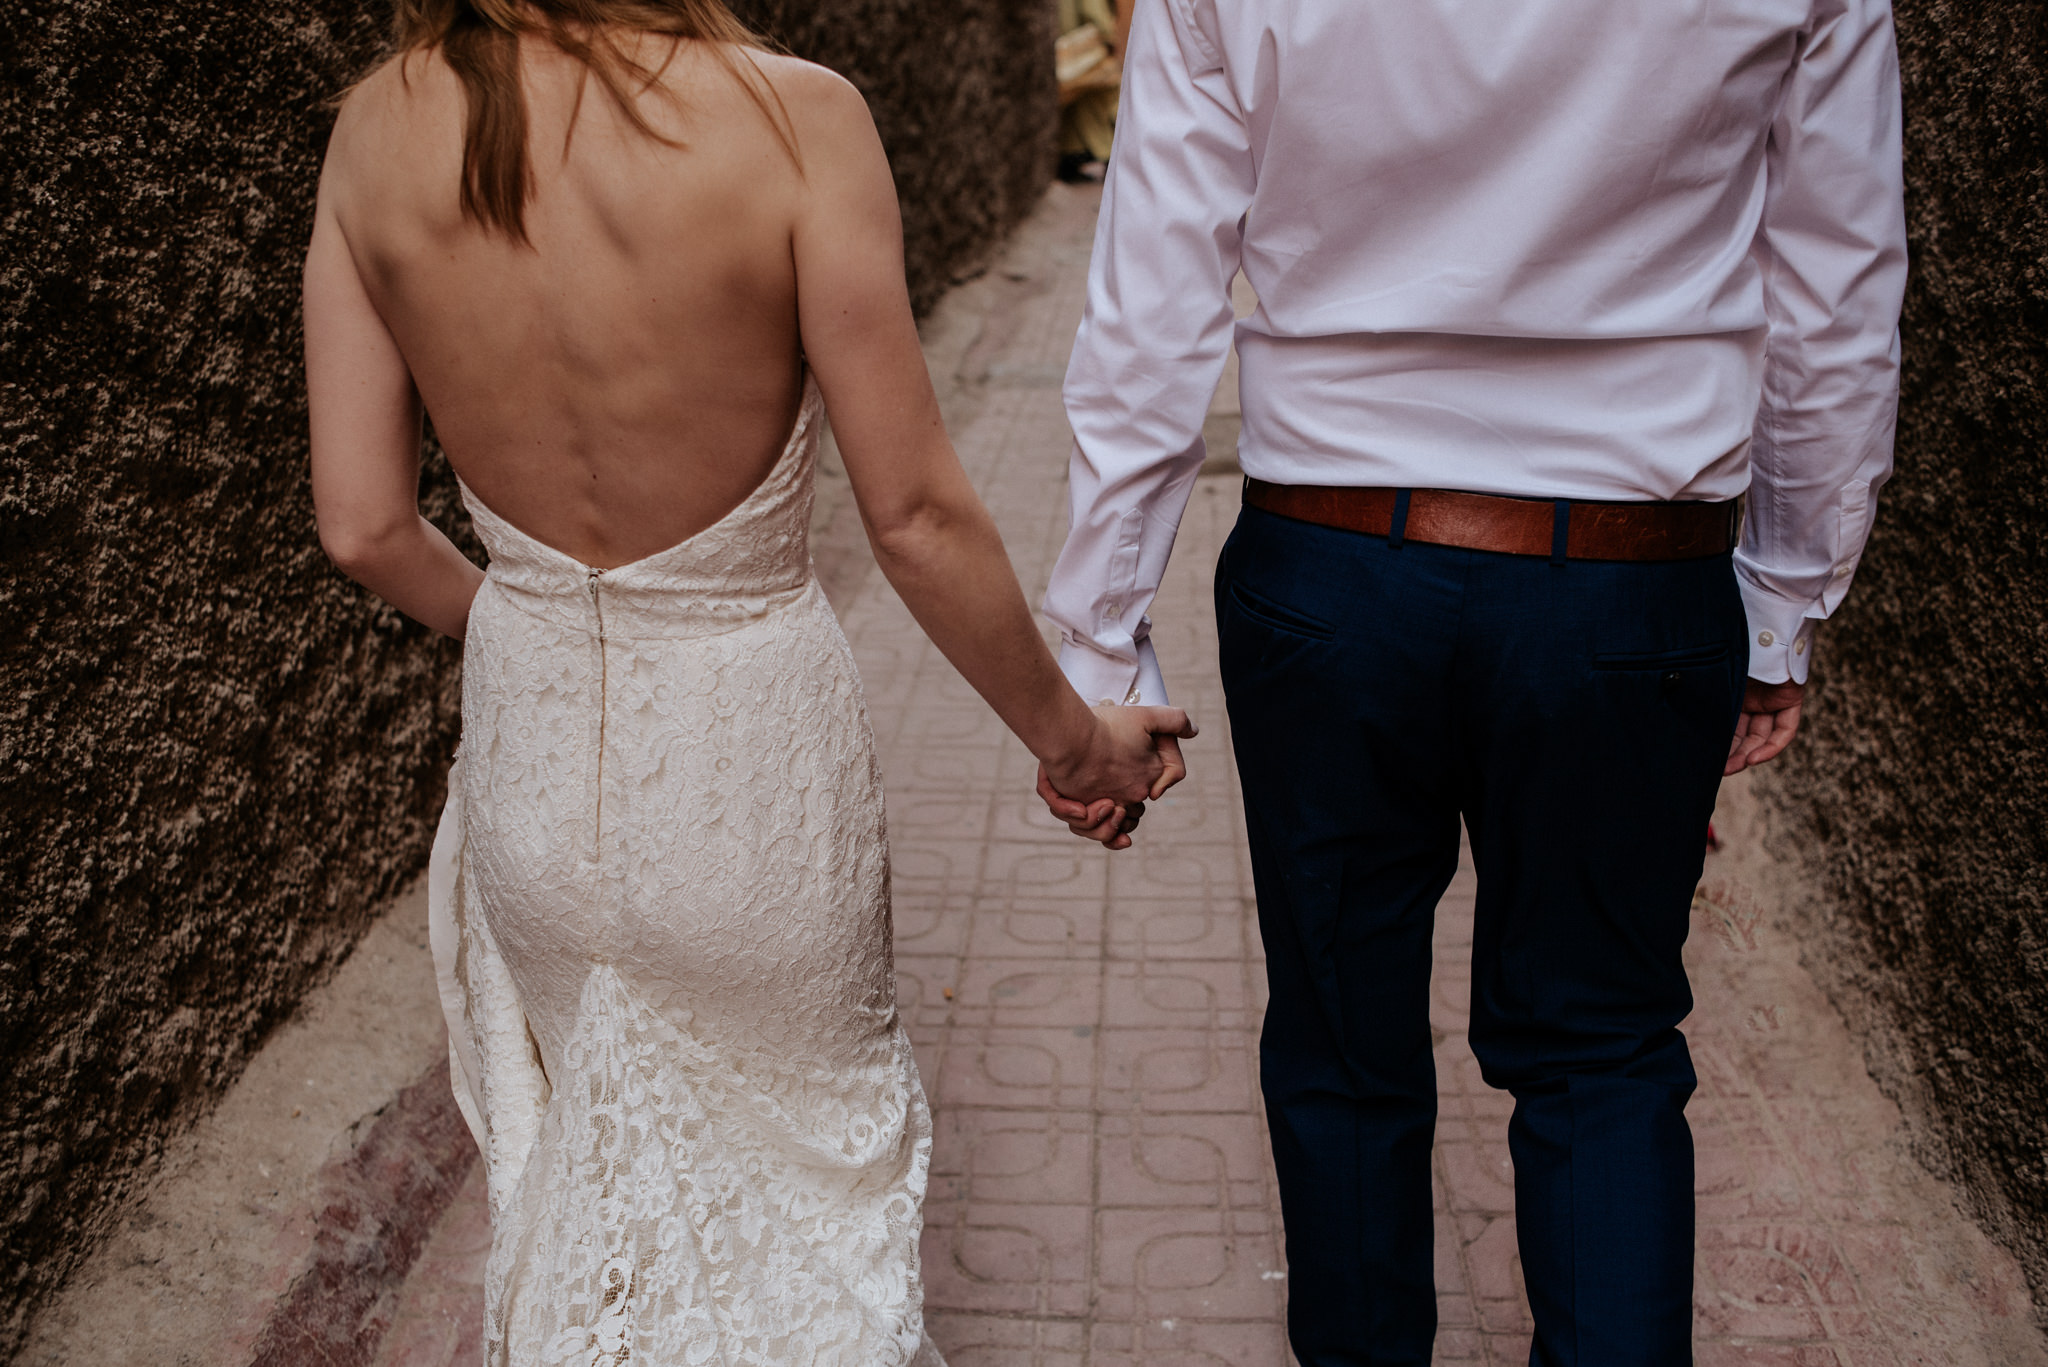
(1769, 720)
(1131, 755)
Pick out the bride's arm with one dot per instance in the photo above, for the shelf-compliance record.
(365, 418)
(932, 536)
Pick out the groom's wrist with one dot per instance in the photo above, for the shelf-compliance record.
(1098, 676)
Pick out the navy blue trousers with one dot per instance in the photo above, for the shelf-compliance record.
(1576, 716)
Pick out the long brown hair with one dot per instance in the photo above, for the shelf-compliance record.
(479, 39)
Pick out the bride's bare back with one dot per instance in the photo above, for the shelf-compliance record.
(626, 378)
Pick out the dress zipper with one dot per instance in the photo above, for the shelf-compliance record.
(603, 700)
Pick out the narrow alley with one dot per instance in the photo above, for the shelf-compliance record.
(1086, 1025)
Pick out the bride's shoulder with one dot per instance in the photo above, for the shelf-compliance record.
(402, 80)
(399, 95)
(818, 100)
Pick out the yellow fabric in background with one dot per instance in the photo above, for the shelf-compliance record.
(1088, 121)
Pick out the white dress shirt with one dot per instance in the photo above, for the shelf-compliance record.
(1599, 249)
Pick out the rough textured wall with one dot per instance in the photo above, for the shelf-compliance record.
(1919, 793)
(217, 757)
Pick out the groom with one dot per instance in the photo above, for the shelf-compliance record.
(1543, 287)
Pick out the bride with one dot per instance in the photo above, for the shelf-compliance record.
(627, 260)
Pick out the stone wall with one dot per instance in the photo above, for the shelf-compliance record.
(1918, 796)
(218, 757)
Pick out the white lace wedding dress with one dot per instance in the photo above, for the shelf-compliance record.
(660, 912)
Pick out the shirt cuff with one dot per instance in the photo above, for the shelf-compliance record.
(1103, 678)
(1781, 637)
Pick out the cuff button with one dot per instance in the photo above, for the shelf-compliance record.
(1764, 638)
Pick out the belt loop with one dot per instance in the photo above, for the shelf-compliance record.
(1397, 531)
(1561, 531)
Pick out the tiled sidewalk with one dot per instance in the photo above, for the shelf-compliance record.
(1086, 1023)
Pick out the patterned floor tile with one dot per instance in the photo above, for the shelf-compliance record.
(1190, 994)
(1028, 1067)
(1014, 927)
(1177, 1070)
(1157, 1264)
(1175, 1342)
(1028, 990)
(1016, 1157)
(989, 1341)
(1186, 1160)
(1018, 1258)
(1193, 925)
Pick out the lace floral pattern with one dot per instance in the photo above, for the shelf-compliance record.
(661, 918)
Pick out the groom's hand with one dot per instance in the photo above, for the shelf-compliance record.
(1134, 755)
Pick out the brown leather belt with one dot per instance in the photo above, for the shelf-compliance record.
(1514, 526)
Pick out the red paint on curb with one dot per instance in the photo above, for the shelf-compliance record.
(377, 1208)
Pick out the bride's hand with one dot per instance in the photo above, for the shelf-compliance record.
(1131, 754)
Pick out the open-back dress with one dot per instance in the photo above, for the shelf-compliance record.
(660, 914)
